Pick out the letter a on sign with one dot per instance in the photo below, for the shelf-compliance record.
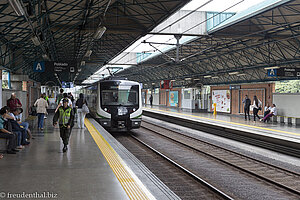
(39, 67)
(272, 72)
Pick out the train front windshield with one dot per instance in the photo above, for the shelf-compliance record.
(115, 95)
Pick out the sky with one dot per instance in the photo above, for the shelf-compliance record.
(214, 5)
(220, 5)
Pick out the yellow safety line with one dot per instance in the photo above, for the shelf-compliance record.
(130, 186)
(268, 129)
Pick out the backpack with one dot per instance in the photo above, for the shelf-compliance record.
(14, 125)
(8, 126)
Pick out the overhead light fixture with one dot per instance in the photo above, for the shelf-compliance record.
(35, 41)
(208, 76)
(46, 57)
(188, 78)
(233, 73)
(197, 79)
(275, 67)
(17, 7)
(82, 63)
(173, 80)
(88, 53)
(215, 77)
(99, 32)
(153, 83)
(241, 74)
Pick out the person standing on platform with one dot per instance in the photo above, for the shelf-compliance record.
(151, 100)
(80, 113)
(47, 99)
(256, 107)
(59, 96)
(247, 103)
(61, 101)
(65, 118)
(14, 103)
(41, 109)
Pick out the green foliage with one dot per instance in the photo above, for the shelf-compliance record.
(292, 86)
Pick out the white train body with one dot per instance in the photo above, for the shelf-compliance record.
(116, 104)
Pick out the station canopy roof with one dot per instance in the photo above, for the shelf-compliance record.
(71, 31)
(238, 50)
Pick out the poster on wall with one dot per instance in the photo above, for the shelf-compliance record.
(222, 99)
(173, 98)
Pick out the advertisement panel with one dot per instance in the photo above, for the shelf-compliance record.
(173, 98)
(222, 99)
(166, 84)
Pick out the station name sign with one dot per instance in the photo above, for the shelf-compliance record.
(284, 72)
(288, 72)
(56, 67)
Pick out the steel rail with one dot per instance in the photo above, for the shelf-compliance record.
(202, 181)
(228, 163)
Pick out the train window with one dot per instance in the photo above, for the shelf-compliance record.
(121, 95)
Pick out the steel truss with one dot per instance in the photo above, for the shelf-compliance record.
(66, 28)
(268, 39)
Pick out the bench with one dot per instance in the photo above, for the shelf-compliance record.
(286, 119)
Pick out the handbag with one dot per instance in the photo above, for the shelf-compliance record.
(85, 109)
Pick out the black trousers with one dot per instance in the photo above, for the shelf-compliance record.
(247, 112)
(65, 134)
(266, 112)
(11, 140)
(255, 111)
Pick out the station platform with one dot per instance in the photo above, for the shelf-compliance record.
(95, 166)
(275, 129)
(282, 134)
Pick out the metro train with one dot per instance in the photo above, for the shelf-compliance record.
(115, 104)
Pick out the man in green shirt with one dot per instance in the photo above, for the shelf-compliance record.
(65, 118)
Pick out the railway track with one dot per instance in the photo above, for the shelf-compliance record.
(273, 177)
(281, 177)
(179, 179)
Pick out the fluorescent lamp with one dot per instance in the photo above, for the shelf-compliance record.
(208, 76)
(188, 78)
(173, 80)
(197, 79)
(45, 56)
(241, 74)
(233, 73)
(88, 53)
(35, 41)
(153, 83)
(99, 32)
(15, 4)
(82, 63)
(275, 67)
(215, 77)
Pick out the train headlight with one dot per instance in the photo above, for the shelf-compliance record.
(105, 109)
(133, 109)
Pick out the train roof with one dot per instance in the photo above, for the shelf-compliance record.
(120, 80)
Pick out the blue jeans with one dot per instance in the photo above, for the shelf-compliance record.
(40, 120)
(21, 137)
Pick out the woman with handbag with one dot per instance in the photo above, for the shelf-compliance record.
(82, 110)
(256, 107)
